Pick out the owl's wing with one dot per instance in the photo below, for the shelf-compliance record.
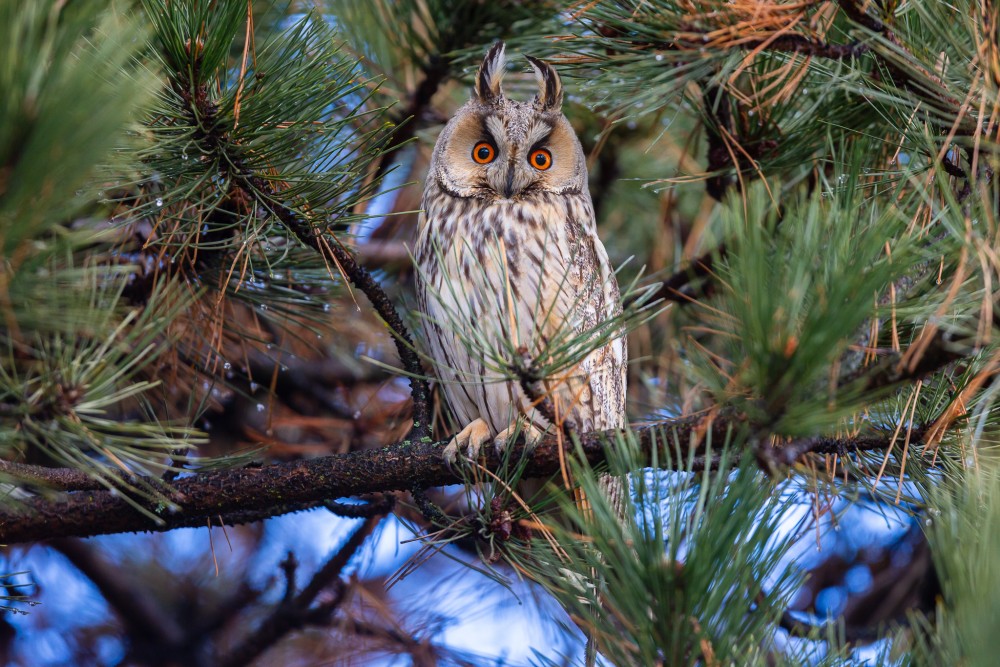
(577, 294)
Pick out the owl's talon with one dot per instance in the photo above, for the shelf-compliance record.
(450, 454)
(467, 442)
(532, 434)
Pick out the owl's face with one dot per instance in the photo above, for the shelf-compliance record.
(500, 150)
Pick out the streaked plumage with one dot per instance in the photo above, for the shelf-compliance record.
(508, 256)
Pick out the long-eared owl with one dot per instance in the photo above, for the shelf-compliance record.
(509, 262)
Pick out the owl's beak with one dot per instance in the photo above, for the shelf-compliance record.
(507, 180)
(508, 188)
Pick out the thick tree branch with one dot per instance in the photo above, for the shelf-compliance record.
(253, 493)
(62, 479)
(772, 457)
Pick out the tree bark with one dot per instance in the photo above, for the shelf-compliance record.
(257, 492)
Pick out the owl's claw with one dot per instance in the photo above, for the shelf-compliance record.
(532, 434)
(468, 442)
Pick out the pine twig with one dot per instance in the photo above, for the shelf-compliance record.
(775, 457)
(796, 628)
(237, 602)
(857, 14)
(297, 611)
(716, 104)
(793, 43)
(420, 650)
(781, 43)
(381, 254)
(289, 566)
(531, 378)
(891, 371)
(153, 631)
(675, 288)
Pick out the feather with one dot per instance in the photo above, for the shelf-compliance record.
(491, 74)
(550, 91)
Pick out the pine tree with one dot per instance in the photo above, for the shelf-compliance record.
(206, 321)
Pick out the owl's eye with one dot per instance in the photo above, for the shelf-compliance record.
(483, 153)
(540, 159)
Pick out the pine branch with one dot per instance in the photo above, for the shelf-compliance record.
(252, 186)
(861, 17)
(149, 626)
(905, 69)
(796, 628)
(296, 611)
(717, 106)
(676, 287)
(223, 614)
(380, 254)
(935, 355)
(360, 277)
(62, 479)
(775, 457)
(799, 44)
(777, 42)
(254, 493)
(435, 71)
(421, 651)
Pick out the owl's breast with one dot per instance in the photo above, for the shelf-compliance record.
(530, 274)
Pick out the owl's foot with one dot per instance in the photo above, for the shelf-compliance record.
(468, 441)
(532, 434)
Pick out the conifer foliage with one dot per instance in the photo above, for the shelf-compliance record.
(205, 215)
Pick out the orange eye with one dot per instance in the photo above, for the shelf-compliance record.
(483, 153)
(540, 159)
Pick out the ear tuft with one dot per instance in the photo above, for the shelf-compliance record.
(550, 91)
(490, 74)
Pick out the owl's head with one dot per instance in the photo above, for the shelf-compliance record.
(500, 150)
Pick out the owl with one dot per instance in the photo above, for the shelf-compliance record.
(509, 262)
